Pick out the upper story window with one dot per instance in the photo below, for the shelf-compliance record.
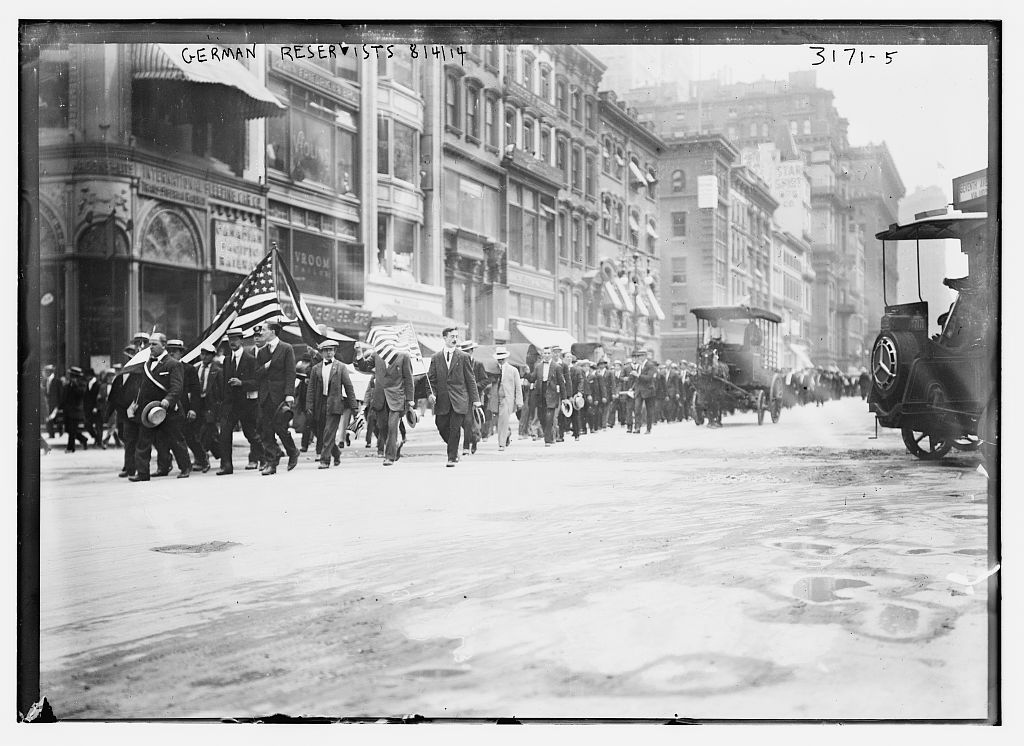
(606, 156)
(591, 116)
(620, 163)
(652, 181)
(545, 144)
(528, 72)
(577, 105)
(397, 146)
(562, 159)
(473, 111)
(491, 55)
(510, 127)
(510, 62)
(53, 93)
(562, 97)
(545, 83)
(606, 215)
(678, 181)
(491, 122)
(528, 131)
(401, 69)
(452, 89)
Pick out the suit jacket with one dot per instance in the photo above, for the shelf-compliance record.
(675, 384)
(508, 390)
(603, 379)
(393, 383)
(578, 383)
(556, 390)
(245, 372)
(54, 389)
(275, 372)
(340, 393)
(645, 386)
(165, 380)
(192, 399)
(210, 404)
(73, 403)
(454, 388)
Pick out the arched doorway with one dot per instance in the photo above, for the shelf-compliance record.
(102, 254)
(170, 283)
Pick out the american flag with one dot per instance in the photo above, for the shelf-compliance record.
(254, 300)
(388, 341)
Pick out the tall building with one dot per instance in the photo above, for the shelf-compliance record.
(748, 114)
(627, 284)
(635, 71)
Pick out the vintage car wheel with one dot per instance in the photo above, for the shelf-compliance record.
(891, 358)
(697, 408)
(759, 406)
(775, 402)
(967, 443)
(926, 447)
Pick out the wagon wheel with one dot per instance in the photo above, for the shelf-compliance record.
(697, 407)
(925, 446)
(775, 403)
(759, 406)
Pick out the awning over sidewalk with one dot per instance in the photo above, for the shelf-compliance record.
(652, 303)
(638, 175)
(803, 359)
(541, 337)
(611, 294)
(226, 76)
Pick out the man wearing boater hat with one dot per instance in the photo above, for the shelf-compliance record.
(275, 372)
(123, 391)
(238, 401)
(508, 396)
(162, 385)
(191, 405)
(471, 429)
(330, 397)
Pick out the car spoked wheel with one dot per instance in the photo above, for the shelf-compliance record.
(759, 405)
(891, 358)
(926, 446)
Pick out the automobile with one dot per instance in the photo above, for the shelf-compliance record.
(737, 375)
(939, 391)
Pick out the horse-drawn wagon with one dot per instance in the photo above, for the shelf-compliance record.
(736, 375)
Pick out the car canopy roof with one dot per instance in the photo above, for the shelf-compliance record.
(951, 225)
(708, 313)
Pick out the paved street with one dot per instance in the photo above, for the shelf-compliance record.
(796, 570)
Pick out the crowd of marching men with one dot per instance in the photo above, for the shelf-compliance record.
(189, 413)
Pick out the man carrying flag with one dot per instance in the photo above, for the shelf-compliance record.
(393, 390)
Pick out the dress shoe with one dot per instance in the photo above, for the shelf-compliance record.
(380, 454)
(388, 462)
(293, 461)
(162, 473)
(185, 474)
(472, 448)
(398, 455)
(268, 470)
(337, 460)
(548, 445)
(138, 478)
(250, 466)
(368, 445)
(304, 449)
(465, 451)
(324, 466)
(221, 472)
(450, 464)
(501, 448)
(206, 468)
(123, 473)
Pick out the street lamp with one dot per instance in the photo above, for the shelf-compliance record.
(636, 292)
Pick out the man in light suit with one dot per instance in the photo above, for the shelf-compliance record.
(454, 391)
(393, 396)
(330, 397)
(275, 373)
(550, 388)
(508, 397)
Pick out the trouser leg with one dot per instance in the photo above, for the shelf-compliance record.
(503, 431)
(394, 419)
(328, 437)
(454, 434)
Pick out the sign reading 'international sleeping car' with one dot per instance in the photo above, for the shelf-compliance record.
(238, 246)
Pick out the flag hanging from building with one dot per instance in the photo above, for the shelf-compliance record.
(256, 300)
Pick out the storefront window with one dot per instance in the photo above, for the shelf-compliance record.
(313, 263)
(169, 301)
(102, 322)
(311, 148)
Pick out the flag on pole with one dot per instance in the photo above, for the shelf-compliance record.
(254, 301)
(388, 341)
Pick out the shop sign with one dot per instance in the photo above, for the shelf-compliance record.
(970, 187)
(707, 191)
(518, 278)
(238, 246)
(313, 263)
(192, 191)
(314, 78)
(340, 317)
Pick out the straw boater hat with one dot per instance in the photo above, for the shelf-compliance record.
(207, 347)
(141, 335)
(567, 407)
(479, 416)
(153, 414)
(500, 353)
(468, 346)
(328, 344)
(175, 344)
(578, 401)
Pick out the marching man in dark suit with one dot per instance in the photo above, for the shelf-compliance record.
(238, 397)
(549, 385)
(275, 372)
(330, 397)
(393, 396)
(191, 404)
(162, 382)
(210, 388)
(644, 372)
(454, 391)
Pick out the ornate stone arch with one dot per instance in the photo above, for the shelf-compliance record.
(170, 236)
(52, 237)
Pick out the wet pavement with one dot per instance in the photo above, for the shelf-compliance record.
(797, 570)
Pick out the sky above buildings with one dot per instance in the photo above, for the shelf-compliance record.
(929, 105)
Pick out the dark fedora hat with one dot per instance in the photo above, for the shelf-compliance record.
(412, 418)
(283, 415)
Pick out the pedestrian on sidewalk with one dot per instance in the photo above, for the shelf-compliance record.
(454, 391)
(74, 408)
(508, 397)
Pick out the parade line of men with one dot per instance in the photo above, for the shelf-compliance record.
(188, 413)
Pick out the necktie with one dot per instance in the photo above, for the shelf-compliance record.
(448, 358)
(206, 369)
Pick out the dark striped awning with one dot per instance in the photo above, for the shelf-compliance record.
(167, 62)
